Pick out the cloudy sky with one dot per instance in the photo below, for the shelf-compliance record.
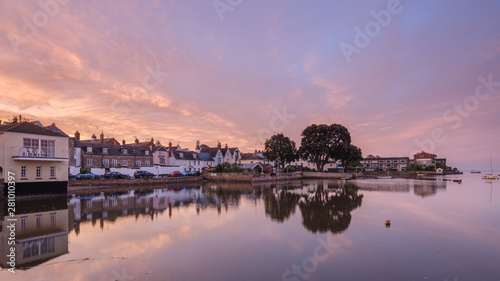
(402, 76)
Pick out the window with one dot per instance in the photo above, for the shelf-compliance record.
(124, 151)
(52, 219)
(146, 152)
(105, 150)
(38, 172)
(138, 163)
(23, 223)
(162, 161)
(39, 221)
(23, 172)
(105, 163)
(37, 247)
(52, 172)
(89, 149)
(39, 147)
(114, 163)
(89, 162)
(147, 163)
(162, 153)
(125, 163)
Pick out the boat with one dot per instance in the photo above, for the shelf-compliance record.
(384, 177)
(490, 176)
(475, 172)
(421, 175)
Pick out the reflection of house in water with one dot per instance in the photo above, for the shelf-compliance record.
(41, 231)
(426, 188)
(110, 207)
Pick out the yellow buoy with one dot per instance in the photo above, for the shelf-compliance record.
(387, 223)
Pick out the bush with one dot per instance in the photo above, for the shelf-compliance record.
(289, 170)
(308, 170)
(430, 168)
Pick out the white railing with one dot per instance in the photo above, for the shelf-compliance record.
(28, 152)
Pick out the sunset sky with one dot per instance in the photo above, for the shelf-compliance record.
(396, 74)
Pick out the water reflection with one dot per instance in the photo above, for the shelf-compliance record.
(323, 209)
(104, 207)
(41, 231)
(425, 188)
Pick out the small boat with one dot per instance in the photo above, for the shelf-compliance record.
(490, 176)
(384, 177)
(459, 181)
(421, 175)
(475, 172)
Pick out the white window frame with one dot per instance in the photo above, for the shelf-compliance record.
(23, 223)
(125, 163)
(89, 149)
(52, 172)
(147, 163)
(105, 150)
(90, 162)
(138, 163)
(38, 221)
(114, 162)
(53, 220)
(38, 173)
(105, 163)
(124, 151)
(24, 172)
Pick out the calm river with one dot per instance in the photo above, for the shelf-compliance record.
(301, 230)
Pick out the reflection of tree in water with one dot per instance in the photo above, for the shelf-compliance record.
(281, 206)
(322, 212)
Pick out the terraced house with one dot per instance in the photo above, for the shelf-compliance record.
(37, 155)
(108, 153)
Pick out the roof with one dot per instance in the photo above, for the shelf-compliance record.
(212, 150)
(115, 150)
(250, 166)
(252, 156)
(53, 128)
(386, 158)
(105, 140)
(31, 128)
(156, 148)
(205, 156)
(182, 155)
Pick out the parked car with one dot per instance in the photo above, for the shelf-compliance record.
(116, 175)
(87, 176)
(143, 174)
(71, 176)
(187, 173)
(196, 173)
(175, 174)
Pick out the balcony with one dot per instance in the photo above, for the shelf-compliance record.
(38, 154)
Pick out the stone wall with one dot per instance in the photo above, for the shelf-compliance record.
(319, 175)
(238, 177)
(128, 182)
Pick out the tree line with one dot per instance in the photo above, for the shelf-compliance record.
(320, 144)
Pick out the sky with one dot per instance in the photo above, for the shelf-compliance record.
(401, 76)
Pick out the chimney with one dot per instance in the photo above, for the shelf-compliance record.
(226, 145)
(123, 142)
(219, 145)
(152, 141)
(94, 137)
(169, 149)
(14, 120)
(77, 135)
(136, 141)
(102, 136)
(197, 146)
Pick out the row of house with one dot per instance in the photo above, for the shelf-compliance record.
(399, 163)
(109, 153)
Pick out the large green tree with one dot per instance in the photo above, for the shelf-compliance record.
(322, 143)
(349, 155)
(280, 148)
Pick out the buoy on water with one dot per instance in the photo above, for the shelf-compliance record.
(387, 223)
